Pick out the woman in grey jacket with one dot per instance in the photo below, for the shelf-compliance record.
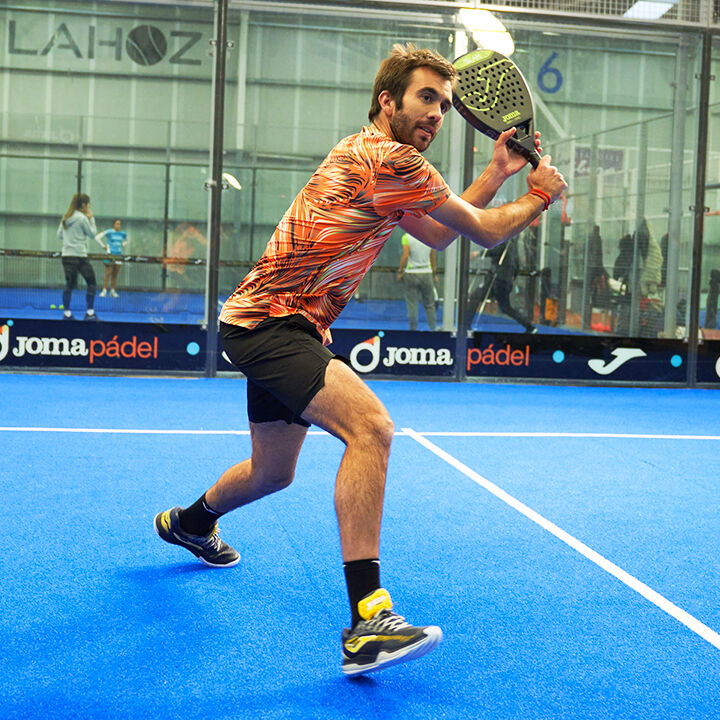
(76, 228)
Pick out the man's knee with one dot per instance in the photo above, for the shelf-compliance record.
(276, 446)
(273, 482)
(376, 428)
(268, 478)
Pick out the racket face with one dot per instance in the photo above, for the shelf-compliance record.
(492, 95)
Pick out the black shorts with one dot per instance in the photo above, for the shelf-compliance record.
(284, 361)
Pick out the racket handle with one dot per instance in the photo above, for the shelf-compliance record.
(530, 154)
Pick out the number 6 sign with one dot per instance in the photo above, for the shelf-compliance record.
(551, 74)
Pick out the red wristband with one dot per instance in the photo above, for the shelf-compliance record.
(543, 196)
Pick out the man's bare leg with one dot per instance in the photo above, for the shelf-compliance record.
(349, 410)
(271, 467)
(275, 448)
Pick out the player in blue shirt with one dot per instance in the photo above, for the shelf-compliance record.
(112, 240)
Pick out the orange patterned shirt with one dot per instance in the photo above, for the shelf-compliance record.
(334, 230)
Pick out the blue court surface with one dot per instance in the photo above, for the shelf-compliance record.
(564, 538)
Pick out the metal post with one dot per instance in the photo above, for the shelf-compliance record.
(462, 321)
(252, 215)
(242, 61)
(676, 188)
(639, 215)
(699, 208)
(166, 224)
(215, 186)
(81, 150)
(531, 259)
(563, 274)
(586, 309)
(454, 176)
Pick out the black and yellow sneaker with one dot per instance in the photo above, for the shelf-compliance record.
(209, 548)
(383, 638)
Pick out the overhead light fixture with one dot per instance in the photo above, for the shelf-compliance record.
(486, 30)
(648, 9)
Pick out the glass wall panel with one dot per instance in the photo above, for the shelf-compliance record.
(710, 274)
(302, 85)
(111, 99)
(31, 277)
(598, 262)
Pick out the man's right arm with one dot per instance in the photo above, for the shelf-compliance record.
(456, 216)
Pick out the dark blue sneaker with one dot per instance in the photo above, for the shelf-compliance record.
(382, 638)
(93, 317)
(209, 548)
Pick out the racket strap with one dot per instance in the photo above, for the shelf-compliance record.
(543, 196)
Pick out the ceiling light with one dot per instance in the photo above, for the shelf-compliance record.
(486, 30)
(648, 9)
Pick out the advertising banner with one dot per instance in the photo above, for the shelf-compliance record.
(708, 363)
(101, 346)
(104, 43)
(397, 352)
(576, 357)
(78, 345)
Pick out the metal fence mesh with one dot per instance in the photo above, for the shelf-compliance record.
(686, 11)
(695, 12)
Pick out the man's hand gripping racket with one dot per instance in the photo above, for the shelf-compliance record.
(493, 96)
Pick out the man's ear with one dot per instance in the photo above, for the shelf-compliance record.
(387, 104)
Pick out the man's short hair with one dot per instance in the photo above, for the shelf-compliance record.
(394, 72)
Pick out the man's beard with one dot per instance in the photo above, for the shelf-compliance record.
(403, 130)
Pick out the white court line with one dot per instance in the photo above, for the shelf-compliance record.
(124, 431)
(632, 436)
(412, 433)
(135, 431)
(632, 582)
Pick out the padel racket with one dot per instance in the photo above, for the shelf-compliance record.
(492, 95)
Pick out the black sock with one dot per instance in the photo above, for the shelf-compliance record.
(198, 518)
(362, 578)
